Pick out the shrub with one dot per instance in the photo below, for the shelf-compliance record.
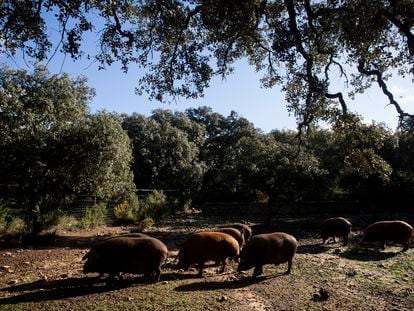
(16, 226)
(94, 216)
(68, 222)
(143, 224)
(179, 204)
(126, 212)
(154, 206)
(261, 197)
(5, 217)
(49, 212)
(10, 224)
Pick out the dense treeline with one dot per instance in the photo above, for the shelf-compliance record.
(52, 151)
(228, 159)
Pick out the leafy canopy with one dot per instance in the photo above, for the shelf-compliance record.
(301, 45)
(51, 147)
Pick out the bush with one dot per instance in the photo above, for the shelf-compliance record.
(154, 206)
(126, 212)
(68, 222)
(5, 217)
(143, 224)
(179, 204)
(94, 216)
(49, 212)
(10, 224)
(16, 226)
(261, 197)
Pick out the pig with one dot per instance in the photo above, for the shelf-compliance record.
(129, 235)
(336, 226)
(243, 228)
(393, 230)
(233, 232)
(206, 246)
(129, 255)
(268, 248)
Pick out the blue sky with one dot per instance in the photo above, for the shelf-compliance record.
(241, 92)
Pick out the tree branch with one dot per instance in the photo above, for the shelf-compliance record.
(333, 61)
(340, 97)
(384, 88)
(404, 28)
(62, 34)
(311, 80)
(118, 26)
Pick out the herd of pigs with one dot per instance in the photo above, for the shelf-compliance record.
(138, 253)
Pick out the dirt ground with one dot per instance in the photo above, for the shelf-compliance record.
(324, 277)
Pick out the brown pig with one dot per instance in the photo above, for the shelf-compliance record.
(243, 228)
(206, 246)
(393, 230)
(233, 232)
(269, 248)
(129, 235)
(127, 254)
(336, 226)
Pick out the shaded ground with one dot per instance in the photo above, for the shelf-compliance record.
(324, 277)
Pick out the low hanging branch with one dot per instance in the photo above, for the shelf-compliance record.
(340, 97)
(374, 72)
(313, 85)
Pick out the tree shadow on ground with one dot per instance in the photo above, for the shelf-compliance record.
(175, 276)
(206, 284)
(316, 248)
(367, 254)
(173, 240)
(40, 291)
(49, 241)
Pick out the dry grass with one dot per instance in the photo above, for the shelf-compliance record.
(352, 277)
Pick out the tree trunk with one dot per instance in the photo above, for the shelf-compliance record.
(34, 214)
(36, 226)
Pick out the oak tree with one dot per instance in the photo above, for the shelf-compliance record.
(303, 46)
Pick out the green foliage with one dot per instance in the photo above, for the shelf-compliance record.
(126, 212)
(359, 146)
(10, 224)
(51, 147)
(261, 197)
(48, 212)
(16, 226)
(145, 223)
(154, 206)
(94, 216)
(221, 178)
(282, 171)
(298, 45)
(67, 222)
(5, 217)
(166, 151)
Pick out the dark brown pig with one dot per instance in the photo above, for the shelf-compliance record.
(127, 254)
(243, 228)
(129, 235)
(393, 231)
(336, 226)
(206, 246)
(233, 232)
(269, 248)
